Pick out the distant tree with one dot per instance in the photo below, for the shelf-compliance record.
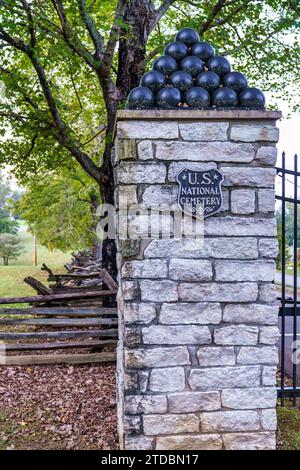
(289, 223)
(9, 247)
(60, 209)
(288, 256)
(7, 223)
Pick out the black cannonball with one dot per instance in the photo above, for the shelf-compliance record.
(181, 80)
(140, 98)
(219, 65)
(177, 49)
(153, 80)
(168, 98)
(192, 65)
(197, 97)
(203, 50)
(225, 98)
(165, 65)
(188, 35)
(252, 98)
(208, 80)
(235, 80)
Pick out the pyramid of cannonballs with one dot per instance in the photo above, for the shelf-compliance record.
(190, 75)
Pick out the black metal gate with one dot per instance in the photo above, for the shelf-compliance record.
(287, 284)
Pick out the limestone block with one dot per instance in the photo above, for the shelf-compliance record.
(132, 424)
(204, 131)
(231, 248)
(147, 130)
(216, 356)
(167, 380)
(215, 378)
(251, 313)
(160, 194)
(250, 441)
(157, 357)
(268, 247)
(267, 293)
(145, 404)
(190, 442)
(269, 376)
(266, 200)
(170, 424)
(267, 155)
(248, 176)
(240, 226)
(190, 270)
(145, 150)
(202, 313)
(258, 355)
(159, 291)
(130, 290)
(243, 201)
(138, 173)
(269, 419)
(138, 443)
(229, 421)
(268, 335)
(179, 334)
(127, 195)
(251, 398)
(150, 268)
(214, 292)
(245, 270)
(204, 151)
(236, 335)
(254, 133)
(140, 313)
(193, 402)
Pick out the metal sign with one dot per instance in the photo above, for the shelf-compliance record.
(200, 192)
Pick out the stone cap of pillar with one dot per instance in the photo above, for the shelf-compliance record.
(188, 114)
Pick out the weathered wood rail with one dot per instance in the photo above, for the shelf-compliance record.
(67, 315)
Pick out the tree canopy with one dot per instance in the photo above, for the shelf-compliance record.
(68, 65)
(60, 209)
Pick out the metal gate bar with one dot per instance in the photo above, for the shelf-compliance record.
(288, 306)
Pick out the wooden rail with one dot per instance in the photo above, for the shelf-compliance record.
(54, 297)
(71, 303)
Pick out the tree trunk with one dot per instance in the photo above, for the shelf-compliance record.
(132, 48)
(132, 45)
(97, 246)
(5, 259)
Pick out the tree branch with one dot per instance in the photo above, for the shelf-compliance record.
(214, 13)
(63, 136)
(71, 40)
(91, 27)
(26, 97)
(30, 23)
(158, 14)
(114, 36)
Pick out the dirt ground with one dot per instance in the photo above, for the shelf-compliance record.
(58, 407)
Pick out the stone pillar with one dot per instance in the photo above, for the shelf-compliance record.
(198, 323)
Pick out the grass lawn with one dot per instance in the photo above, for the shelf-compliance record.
(288, 437)
(11, 277)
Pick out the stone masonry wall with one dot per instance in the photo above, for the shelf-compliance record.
(198, 326)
